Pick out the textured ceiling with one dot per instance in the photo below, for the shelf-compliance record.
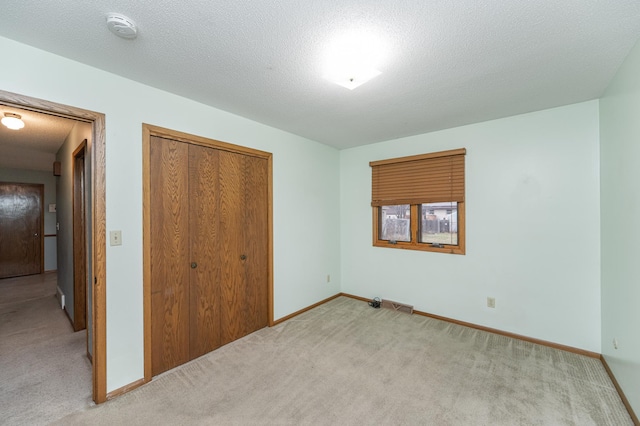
(34, 147)
(446, 63)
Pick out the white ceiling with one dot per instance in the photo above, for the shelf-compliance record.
(448, 63)
(34, 147)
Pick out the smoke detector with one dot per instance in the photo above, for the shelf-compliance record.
(122, 26)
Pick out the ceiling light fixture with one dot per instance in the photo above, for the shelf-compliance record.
(352, 59)
(12, 121)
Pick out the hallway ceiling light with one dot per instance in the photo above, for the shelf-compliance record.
(12, 121)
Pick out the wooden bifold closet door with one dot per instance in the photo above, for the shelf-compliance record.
(209, 249)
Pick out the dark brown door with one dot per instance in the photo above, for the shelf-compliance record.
(209, 249)
(21, 228)
(79, 241)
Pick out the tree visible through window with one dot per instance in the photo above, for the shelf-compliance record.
(418, 202)
(396, 223)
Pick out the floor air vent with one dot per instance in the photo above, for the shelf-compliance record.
(395, 306)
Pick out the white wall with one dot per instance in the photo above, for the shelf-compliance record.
(620, 174)
(305, 194)
(49, 182)
(532, 241)
(64, 189)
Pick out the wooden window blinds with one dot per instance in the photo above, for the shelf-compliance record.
(426, 178)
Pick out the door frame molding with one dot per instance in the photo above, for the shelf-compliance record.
(79, 283)
(148, 131)
(98, 223)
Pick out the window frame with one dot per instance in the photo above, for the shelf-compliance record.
(415, 218)
(415, 230)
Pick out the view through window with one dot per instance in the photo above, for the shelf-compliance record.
(418, 202)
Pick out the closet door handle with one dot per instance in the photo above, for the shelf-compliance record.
(243, 257)
(194, 265)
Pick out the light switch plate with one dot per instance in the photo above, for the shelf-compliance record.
(115, 238)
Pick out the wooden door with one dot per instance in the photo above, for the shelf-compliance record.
(79, 241)
(243, 245)
(169, 242)
(231, 245)
(21, 229)
(256, 244)
(208, 225)
(204, 307)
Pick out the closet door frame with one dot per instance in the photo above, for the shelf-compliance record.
(147, 132)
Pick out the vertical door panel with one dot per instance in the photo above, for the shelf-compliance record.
(209, 249)
(79, 245)
(231, 246)
(203, 232)
(169, 241)
(256, 240)
(21, 227)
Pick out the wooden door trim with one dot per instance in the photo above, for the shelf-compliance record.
(146, 250)
(98, 223)
(148, 131)
(41, 228)
(270, 236)
(79, 289)
(202, 141)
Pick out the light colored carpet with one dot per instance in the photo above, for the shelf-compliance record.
(344, 363)
(44, 372)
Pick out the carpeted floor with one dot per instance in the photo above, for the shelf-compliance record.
(44, 371)
(344, 363)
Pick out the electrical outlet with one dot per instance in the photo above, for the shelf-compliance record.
(115, 238)
(491, 302)
(328, 278)
(615, 343)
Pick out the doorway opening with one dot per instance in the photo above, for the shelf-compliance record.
(96, 215)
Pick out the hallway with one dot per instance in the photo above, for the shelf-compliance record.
(44, 370)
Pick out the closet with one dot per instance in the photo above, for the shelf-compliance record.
(208, 214)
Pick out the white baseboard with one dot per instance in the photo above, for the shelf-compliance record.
(60, 297)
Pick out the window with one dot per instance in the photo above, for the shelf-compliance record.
(418, 202)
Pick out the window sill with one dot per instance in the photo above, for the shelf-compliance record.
(420, 247)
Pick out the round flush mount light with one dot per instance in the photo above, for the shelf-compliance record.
(122, 26)
(12, 121)
(352, 58)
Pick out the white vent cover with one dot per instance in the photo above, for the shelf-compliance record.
(122, 26)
